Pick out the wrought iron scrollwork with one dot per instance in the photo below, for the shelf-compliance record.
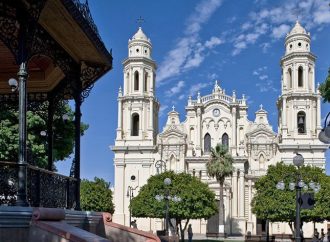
(45, 188)
(9, 27)
(85, 12)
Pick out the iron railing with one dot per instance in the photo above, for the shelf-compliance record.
(44, 188)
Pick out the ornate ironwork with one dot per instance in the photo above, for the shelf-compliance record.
(44, 188)
(44, 44)
(9, 27)
(85, 12)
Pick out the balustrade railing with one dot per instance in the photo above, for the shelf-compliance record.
(44, 188)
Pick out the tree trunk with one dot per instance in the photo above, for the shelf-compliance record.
(221, 228)
(182, 230)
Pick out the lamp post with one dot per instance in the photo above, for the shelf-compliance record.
(167, 198)
(160, 165)
(130, 194)
(298, 161)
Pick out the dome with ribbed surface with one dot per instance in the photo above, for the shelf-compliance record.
(297, 29)
(139, 35)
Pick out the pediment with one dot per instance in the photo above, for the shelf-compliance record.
(261, 129)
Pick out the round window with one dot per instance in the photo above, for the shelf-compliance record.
(133, 178)
(299, 44)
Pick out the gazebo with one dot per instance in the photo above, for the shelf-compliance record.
(53, 49)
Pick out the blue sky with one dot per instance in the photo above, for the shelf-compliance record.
(195, 42)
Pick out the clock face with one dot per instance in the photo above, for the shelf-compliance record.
(216, 112)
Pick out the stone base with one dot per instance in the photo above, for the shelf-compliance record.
(238, 226)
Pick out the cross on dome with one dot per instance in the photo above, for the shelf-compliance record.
(261, 107)
(173, 108)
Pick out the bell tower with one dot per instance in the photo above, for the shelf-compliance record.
(135, 145)
(137, 105)
(299, 103)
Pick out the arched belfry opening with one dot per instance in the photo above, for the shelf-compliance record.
(225, 140)
(300, 77)
(135, 124)
(207, 143)
(289, 78)
(136, 81)
(301, 122)
(145, 81)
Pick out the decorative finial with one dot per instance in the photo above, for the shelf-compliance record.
(198, 97)
(173, 108)
(261, 106)
(120, 93)
(243, 96)
(140, 20)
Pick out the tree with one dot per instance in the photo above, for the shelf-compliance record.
(325, 88)
(279, 206)
(197, 200)
(96, 195)
(220, 166)
(63, 139)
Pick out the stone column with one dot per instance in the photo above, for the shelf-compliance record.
(120, 195)
(284, 124)
(120, 119)
(234, 134)
(241, 194)
(151, 122)
(250, 199)
(199, 138)
(235, 197)
(318, 113)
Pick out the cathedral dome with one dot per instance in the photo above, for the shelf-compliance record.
(297, 29)
(140, 35)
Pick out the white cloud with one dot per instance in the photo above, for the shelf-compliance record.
(266, 86)
(188, 52)
(197, 87)
(181, 97)
(280, 31)
(276, 22)
(265, 46)
(263, 77)
(176, 89)
(214, 41)
(162, 109)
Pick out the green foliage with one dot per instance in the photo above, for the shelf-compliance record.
(96, 196)
(63, 140)
(325, 89)
(220, 164)
(198, 201)
(279, 206)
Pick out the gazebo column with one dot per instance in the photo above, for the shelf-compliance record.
(77, 121)
(22, 158)
(50, 133)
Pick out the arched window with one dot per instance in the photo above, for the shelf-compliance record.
(289, 78)
(145, 81)
(301, 120)
(262, 162)
(135, 124)
(225, 139)
(207, 143)
(136, 81)
(300, 76)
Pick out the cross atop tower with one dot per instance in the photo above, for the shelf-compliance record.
(140, 20)
(261, 106)
(173, 108)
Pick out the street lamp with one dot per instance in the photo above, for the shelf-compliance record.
(167, 198)
(324, 135)
(160, 165)
(130, 194)
(298, 161)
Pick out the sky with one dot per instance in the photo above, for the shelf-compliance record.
(195, 42)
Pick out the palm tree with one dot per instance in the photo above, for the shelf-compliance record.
(220, 166)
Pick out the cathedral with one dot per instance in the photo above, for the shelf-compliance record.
(219, 117)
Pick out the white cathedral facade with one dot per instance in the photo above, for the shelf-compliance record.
(211, 119)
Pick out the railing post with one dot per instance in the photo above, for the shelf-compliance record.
(38, 186)
(68, 193)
